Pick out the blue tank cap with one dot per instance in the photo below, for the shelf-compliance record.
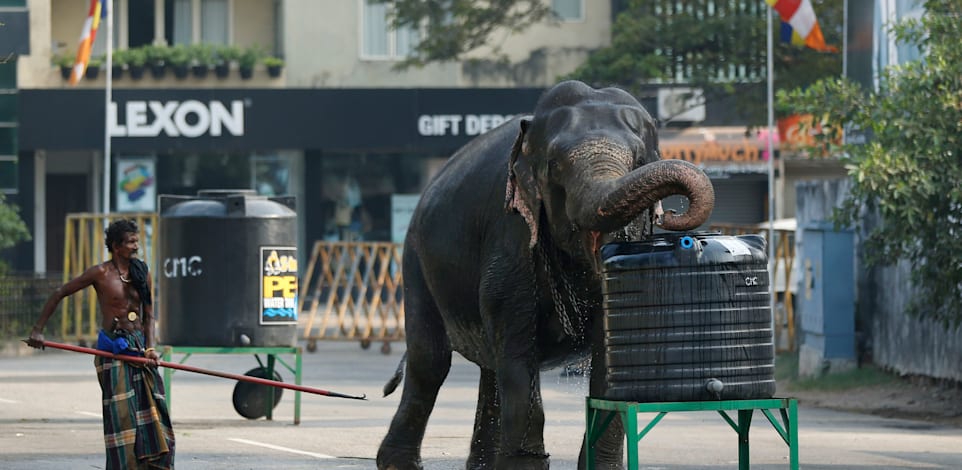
(687, 242)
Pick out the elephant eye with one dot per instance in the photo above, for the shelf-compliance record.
(632, 119)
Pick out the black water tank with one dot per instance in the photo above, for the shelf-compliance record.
(229, 270)
(687, 318)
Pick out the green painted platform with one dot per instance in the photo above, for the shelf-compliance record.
(600, 413)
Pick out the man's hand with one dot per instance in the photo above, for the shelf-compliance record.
(36, 338)
(152, 357)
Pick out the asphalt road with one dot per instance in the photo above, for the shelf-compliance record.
(50, 419)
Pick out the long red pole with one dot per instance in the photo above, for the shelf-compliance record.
(226, 375)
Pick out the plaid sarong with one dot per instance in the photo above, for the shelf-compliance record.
(137, 430)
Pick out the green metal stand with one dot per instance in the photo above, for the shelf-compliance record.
(272, 353)
(600, 413)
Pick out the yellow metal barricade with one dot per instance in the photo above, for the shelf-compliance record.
(353, 291)
(784, 284)
(84, 247)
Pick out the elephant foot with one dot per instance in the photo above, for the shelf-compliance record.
(480, 461)
(522, 462)
(609, 466)
(397, 459)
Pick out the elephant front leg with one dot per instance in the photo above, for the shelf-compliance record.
(609, 450)
(522, 417)
(487, 424)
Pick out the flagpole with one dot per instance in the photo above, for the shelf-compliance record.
(108, 4)
(771, 164)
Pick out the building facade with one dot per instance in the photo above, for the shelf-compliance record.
(339, 128)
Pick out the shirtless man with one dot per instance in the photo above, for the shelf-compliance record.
(124, 289)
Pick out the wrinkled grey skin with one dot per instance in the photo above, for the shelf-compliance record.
(500, 265)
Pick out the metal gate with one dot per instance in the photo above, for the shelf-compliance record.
(352, 291)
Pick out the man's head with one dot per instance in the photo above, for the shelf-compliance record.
(117, 232)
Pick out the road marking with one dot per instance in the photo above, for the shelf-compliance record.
(88, 413)
(285, 449)
(4, 400)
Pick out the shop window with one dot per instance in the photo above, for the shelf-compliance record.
(356, 193)
(569, 10)
(270, 175)
(379, 40)
(185, 174)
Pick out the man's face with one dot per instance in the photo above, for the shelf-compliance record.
(127, 248)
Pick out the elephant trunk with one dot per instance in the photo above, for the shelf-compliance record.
(613, 203)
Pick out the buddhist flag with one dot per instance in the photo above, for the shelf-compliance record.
(802, 22)
(87, 37)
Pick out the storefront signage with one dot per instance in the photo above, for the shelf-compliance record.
(744, 151)
(278, 269)
(190, 118)
(147, 121)
(459, 124)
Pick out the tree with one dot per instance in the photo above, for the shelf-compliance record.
(909, 170)
(12, 228)
(456, 27)
(718, 46)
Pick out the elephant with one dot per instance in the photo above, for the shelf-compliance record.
(500, 263)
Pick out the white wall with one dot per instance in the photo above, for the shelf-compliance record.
(322, 39)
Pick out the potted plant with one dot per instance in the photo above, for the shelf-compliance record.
(65, 62)
(223, 56)
(247, 60)
(201, 59)
(93, 68)
(274, 66)
(179, 59)
(118, 62)
(136, 61)
(157, 58)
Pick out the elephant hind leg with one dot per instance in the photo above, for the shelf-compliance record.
(485, 442)
(428, 363)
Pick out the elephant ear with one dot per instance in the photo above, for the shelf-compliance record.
(522, 193)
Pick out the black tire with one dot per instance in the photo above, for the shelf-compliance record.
(250, 399)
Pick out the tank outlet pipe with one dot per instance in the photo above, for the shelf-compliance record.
(715, 387)
(225, 375)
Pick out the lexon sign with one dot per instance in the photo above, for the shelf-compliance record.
(189, 118)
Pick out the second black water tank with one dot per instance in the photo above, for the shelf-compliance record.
(229, 270)
(688, 318)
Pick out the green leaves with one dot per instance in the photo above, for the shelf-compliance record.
(910, 173)
(717, 46)
(456, 27)
(12, 229)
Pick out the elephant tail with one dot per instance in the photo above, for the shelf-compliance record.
(392, 384)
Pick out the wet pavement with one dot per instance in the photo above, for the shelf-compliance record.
(50, 419)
